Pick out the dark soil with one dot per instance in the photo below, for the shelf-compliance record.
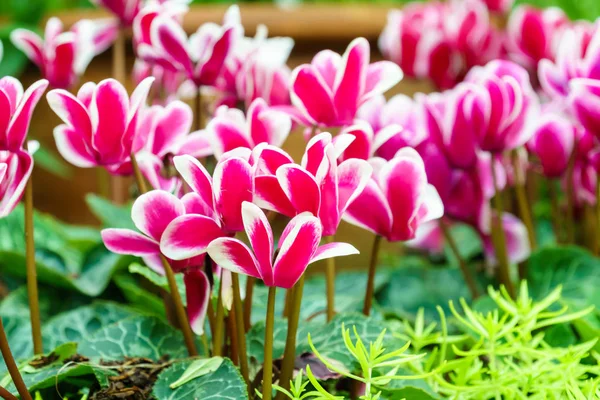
(135, 379)
(43, 361)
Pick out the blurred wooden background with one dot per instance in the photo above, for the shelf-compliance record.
(313, 27)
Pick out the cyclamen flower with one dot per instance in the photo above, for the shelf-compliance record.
(319, 185)
(394, 123)
(256, 68)
(220, 199)
(16, 109)
(167, 84)
(329, 91)
(124, 10)
(499, 6)
(397, 199)
(99, 124)
(174, 9)
(230, 129)
(151, 213)
(3, 168)
(533, 34)
(585, 102)
(298, 247)
(200, 57)
(577, 56)
(553, 142)
(62, 56)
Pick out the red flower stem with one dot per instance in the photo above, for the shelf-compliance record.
(523, 203)
(11, 365)
(499, 239)
(240, 330)
(184, 324)
(118, 185)
(330, 282)
(268, 362)
(248, 302)
(371, 277)
(219, 320)
(6, 395)
(32, 285)
(289, 354)
(466, 272)
(233, 350)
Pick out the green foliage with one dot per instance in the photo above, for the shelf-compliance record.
(224, 383)
(66, 257)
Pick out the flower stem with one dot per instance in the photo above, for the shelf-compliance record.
(555, 209)
(371, 279)
(184, 324)
(199, 109)
(12, 366)
(289, 355)
(268, 363)
(32, 285)
(119, 72)
(248, 302)
(330, 281)
(219, 320)
(6, 395)
(499, 239)
(239, 328)
(468, 277)
(570, 225)
(523, 202)
(233, 350)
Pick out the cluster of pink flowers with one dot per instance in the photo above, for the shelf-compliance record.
(442, 41)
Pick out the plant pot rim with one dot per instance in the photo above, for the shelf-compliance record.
(309, 22)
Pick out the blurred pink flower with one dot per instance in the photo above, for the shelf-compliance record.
(517, 242)
(201, 57)
(99, 124)
(533, 34)
(498, 6)
(553, 142)
(124, 10)
(329, 91)
(230, 129)
(585, 102)
(298, 247)
(397, 199)
(62, 56)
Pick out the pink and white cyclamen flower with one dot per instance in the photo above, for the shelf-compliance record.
(298, 247)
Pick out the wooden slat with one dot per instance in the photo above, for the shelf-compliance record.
(303, 22)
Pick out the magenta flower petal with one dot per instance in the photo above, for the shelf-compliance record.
(232, 185)
(188, 236)
(3, 168)
(126, 241)
(226, 136)
(109, 111)
(197, 293)
(300, 187)
(195, 205)
(196, 176)
(310, 93)
(327, 62)
(30, 44)
(350, 79)
(73, 147)
(267, 159)
(153, 211)
(261, 239)
(172, 41)
(172, 126)
(211, 69)
(381, 76)
(13, 89)
(72, 112)
(234, 255)
(298, 244)
(19, 125)
(331, 250)
(19, 167)
(269, 195)
(370, 210)
(353, 176)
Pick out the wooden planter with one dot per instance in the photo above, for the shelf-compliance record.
(314, 27)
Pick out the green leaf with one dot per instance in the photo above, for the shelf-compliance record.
(65, 258)
(349, 296)
(573, 268)
(17, 302)
(159, 280)
(139, 297)
(414, 287)
(410, 392)
(327, 338)
(111, 215)
(197, 369)
(81, 323)
(225, 383)
(138, 336)
(52, 163)
(14, 60)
